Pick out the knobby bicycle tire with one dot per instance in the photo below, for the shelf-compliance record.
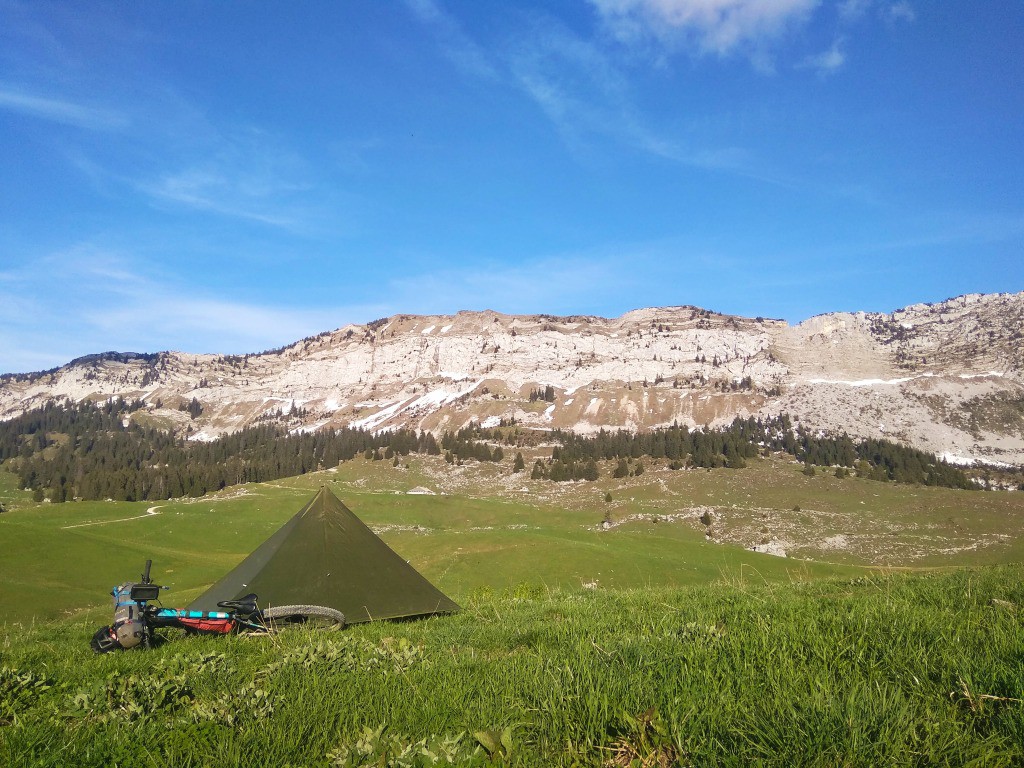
(312, 616)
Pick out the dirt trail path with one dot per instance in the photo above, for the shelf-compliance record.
(149, 513)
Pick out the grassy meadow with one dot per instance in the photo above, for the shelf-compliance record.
(891, 635)
(887, 670)
(489, 529)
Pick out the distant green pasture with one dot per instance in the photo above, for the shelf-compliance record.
(57, 560)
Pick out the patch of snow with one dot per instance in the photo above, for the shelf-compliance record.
(375, 419)
(428, 400)
(332, 404)
(428, 329)
(202, 436)
(306, 429)
(419, 490)
(569, 401)
(548, 411)
(997, 374)
(967, 461)
(453, 376)
(446, 328)
(960, 461)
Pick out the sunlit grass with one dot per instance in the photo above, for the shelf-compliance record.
(897, 670)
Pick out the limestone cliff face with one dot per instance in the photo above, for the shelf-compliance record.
(945, 377)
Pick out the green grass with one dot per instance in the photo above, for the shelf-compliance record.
(493, 530)
(894, 670)
(52, 569)
(686, 652)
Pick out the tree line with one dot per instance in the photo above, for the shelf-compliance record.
(745, 438)
(88, 451)
(64, 451)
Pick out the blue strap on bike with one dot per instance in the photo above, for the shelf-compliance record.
(174, 613)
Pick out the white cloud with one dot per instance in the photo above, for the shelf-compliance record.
(58, 110)
(714, 26)
(854, 9)
(826, 62)
(901, 11)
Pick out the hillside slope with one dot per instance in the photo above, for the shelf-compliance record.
(945, 377)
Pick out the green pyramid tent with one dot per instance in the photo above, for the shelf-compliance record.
(326, 556)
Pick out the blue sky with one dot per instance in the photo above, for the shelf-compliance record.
(229, 177)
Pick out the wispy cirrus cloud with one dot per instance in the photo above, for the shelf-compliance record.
(111, 300)
(571, 80)
(583, 88)
(462, 50)
(245, 174)
(60, 110)
(557, 283)
(582, 91)
(215, 191)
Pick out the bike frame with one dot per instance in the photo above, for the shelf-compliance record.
(206, 622)
(135, 613)
(180, 618)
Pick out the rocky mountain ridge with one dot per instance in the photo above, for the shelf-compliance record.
(945, 377)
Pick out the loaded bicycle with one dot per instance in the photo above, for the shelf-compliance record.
(138, 615)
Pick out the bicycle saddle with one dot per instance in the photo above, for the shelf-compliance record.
(243, 605)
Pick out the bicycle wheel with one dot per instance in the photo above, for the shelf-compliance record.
(310, 616)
